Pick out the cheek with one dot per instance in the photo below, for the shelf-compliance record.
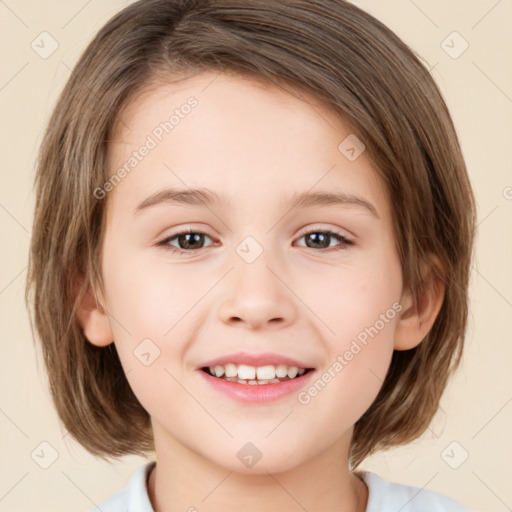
(153, 315)
(359, 309)
(349, 300)
(150, 298)
(350, 381)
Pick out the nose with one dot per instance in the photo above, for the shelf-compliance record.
(258, 297)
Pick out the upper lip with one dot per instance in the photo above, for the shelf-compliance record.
(261, 359)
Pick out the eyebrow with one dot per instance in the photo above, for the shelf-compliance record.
(206, 197)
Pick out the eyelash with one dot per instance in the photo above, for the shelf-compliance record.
(344, 245)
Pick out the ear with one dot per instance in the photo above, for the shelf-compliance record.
(416, 320)
(93, 317)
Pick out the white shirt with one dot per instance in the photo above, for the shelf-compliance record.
(383, 496)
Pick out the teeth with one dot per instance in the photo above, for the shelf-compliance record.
(281, 371)
(266, 372)
(292, 372)
(231, 370)
(246, 372)
(256, 375)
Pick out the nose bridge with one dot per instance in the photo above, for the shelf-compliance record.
(253, 263)
(257, 294)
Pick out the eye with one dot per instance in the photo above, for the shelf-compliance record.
(322, 238)
(190, 240)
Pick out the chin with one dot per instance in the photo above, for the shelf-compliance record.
(254, 459)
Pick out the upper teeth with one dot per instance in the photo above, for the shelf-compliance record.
(247, 372)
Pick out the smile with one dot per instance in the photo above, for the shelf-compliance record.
(254, 391)
(255, 375)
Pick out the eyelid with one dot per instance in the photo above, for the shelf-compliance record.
(185, 230)
(345, 242)
(304, 231)
(164, 241)
(319, 227)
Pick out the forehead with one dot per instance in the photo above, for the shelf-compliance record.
(244, 133)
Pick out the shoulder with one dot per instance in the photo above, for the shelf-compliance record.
(133, 498)
(387, 496)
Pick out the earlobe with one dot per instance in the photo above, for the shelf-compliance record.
(94, 320)
(417, 320)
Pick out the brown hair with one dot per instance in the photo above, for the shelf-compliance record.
(353, 64)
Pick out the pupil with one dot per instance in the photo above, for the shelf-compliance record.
(196, 236)
(316, 236)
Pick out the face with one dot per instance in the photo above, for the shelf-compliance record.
(242, 275)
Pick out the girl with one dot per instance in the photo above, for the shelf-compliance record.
(310, 156)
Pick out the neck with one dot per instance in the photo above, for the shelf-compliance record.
(184, 480)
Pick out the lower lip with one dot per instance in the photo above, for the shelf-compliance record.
(256, 393)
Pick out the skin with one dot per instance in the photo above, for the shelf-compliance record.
(255, 144)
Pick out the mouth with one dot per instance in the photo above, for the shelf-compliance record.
(255, 375)
(256, 378)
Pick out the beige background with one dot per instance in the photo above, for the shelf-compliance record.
(478, 88)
